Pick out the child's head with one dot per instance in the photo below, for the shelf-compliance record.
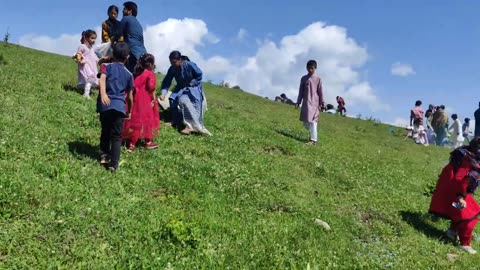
(418, 103)
(130, 9)
(121, 51)
(147, 61)
(88, 37)
(311, 66)
(467, 120)
(185, 58)
(175, 58)
(454, 116)
(112, 12)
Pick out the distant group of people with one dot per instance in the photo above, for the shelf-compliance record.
(127, 104)
(437, 129)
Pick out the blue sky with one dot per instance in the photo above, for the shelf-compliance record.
(438, 39)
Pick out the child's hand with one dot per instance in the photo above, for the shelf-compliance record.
(153, 103)
(105, 100)
(161, 97)
(128, 116)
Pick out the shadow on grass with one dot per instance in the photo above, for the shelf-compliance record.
(83, 150)
(291, 135)
(71, 87)
(419, 221)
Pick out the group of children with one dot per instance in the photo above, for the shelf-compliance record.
(126, 102)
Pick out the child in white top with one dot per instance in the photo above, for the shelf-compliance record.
(87, 62)
(457, 131)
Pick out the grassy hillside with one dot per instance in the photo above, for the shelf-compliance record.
(246, 197)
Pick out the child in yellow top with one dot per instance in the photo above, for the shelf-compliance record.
(109, 26)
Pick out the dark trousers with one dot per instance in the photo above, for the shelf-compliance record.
(131, 63)
(110, 140)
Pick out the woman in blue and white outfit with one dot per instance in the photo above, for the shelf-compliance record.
(187, 101)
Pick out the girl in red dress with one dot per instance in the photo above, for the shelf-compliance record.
(144, 122)
(453, 195)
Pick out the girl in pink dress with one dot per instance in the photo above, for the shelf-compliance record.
(144, 121)
(87, 62)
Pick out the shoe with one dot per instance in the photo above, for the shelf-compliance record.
(87, 97)
(151, 145)
(104, 159)
(468, 249)
(311, 143)
(112, 169)
(131, 148)
(451, 234)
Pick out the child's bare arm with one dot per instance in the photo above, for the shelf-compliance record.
(129, 102)
(103, 90)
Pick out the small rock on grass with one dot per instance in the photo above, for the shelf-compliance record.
(452, 257)
(323, 224)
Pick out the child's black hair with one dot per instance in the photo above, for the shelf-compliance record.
(86, 34)
(175, 55)
(111, 8)
(454, 116)
(144, 61)
(131, 6)
(121, 51)
(312, 63)
(418, 103)
(185, 58)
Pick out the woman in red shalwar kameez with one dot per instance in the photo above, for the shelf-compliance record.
(456, 184)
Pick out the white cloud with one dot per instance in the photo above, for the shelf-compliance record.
(400, 122)
(241, 35)
(65, 44)
(402, 70)
(275, 67)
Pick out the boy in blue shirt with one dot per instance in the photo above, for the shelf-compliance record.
(115, 82)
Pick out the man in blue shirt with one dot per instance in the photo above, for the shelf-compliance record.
(115, 82)
(132, 33)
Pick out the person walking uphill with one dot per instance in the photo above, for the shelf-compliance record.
(310, 96)
(132, 33)
(452, 198)
(116, 85)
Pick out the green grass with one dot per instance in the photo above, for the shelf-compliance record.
(245, 198)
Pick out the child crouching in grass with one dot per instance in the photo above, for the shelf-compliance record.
(116, 85)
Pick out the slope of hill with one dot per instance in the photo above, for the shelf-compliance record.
(246, 197)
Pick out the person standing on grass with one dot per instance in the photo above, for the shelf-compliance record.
(452, 198)
(116, 85)
(87, 62)
(341, 106)
(310, 96)
(440, 125)
(457, 132)
(132, 33)
(144, 121)
(466, 129)
(477, 121)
